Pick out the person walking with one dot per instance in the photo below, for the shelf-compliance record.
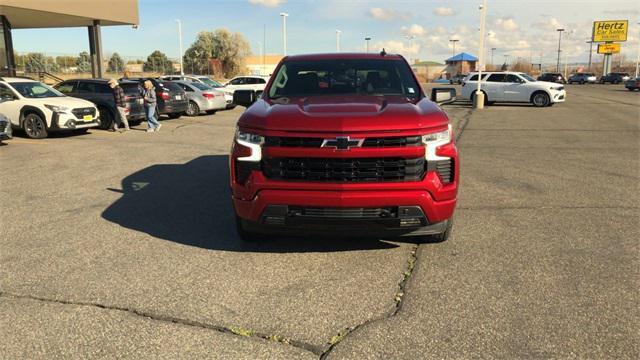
(118, 97)
(150, 103)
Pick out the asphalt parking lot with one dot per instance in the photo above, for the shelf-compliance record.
(124, 244)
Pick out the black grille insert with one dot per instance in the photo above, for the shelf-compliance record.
(306, 142)
(344, 169)
(82, 112)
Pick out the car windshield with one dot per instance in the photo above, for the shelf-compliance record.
(210, 82)
(527, 77)
(34, 89)
(344, 77)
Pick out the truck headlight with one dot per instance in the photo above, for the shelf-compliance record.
(434, 140)
(252, 143)
(56, 108)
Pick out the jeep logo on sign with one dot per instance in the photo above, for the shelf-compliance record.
(342, 143)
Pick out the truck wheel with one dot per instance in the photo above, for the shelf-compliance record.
(540, 99)
(35, 126)
(246, 236)
(174, 115)
(437, 238)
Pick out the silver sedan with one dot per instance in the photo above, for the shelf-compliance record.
(202, 98)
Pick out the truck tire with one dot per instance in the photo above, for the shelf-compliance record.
(106, 118)
(437, 238)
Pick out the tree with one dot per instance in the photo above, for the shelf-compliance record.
(229, 48)
(37, 62)
(116, 64)
(158, 62)
(66, 61)
(83, 63)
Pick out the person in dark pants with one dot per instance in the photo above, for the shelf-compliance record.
(118, 97)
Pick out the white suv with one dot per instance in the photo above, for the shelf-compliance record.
(256, 83)
(508, 86)
(39, 109)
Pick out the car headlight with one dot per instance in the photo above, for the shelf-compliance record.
(440, 136)
(557, 87)
(251, 141)
(56, 108)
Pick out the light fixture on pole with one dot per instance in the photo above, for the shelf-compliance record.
(180, 43)
(367, 39)
(479, 95)
(284, 32)
(338, 40)
(559, 43)
(454, 41)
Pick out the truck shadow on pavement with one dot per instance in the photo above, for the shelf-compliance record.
(190, 204)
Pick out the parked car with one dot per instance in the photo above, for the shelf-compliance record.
(323, 152)
(457, 78)
(255, 83)
(632, 84)
(552, 77)
(582, 78)
(202, 98)
(614, 78)
(98, 92)
(172, 100)
(39, 109)
(441, 81)
(508, 86)
(193, 78)
(5, 128)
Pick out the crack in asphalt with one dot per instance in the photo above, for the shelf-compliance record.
(235, 331)
(412, 261)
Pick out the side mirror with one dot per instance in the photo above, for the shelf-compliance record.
(443, 96)
(244, 97)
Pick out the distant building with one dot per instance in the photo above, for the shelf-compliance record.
(462, 63)
(262, 65)
(428, 70)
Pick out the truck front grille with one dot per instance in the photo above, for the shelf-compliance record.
(306, 142)
(344, 170)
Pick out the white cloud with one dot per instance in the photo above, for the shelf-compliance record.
(386, 14)
(413, 30)
(443, 11)
(267, 3)
(507, 24)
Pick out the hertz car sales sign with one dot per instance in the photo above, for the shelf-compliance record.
(610, 30)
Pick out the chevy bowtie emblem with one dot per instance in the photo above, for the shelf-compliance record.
(342, 143)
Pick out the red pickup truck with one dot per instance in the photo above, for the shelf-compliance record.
(345, 144)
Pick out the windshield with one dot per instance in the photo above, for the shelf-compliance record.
(344, 77)
(33, 89)
(527, 77)
(210, 82)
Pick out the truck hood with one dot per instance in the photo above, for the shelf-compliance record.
(343, 114)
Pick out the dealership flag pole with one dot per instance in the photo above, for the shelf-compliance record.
(479, 98)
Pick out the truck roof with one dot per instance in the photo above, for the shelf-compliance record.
(344, 56)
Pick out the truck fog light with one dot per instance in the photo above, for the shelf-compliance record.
(410, 222)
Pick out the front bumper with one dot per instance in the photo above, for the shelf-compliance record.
(67, 121)
(558, 96)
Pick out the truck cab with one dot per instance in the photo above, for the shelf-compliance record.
(344, 144)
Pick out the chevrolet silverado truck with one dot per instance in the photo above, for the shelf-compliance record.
(344, 144)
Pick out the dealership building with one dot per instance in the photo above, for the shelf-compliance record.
(34, 14)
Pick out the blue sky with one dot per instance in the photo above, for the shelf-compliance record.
(515, 27)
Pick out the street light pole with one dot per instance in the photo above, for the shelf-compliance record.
(284, 32)
(410, 37)
(367, 39)
(180, 43)
(453, 51)
(492, 50)
(338, 40)
(590, 42)
(559, 42)
(479, 96)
